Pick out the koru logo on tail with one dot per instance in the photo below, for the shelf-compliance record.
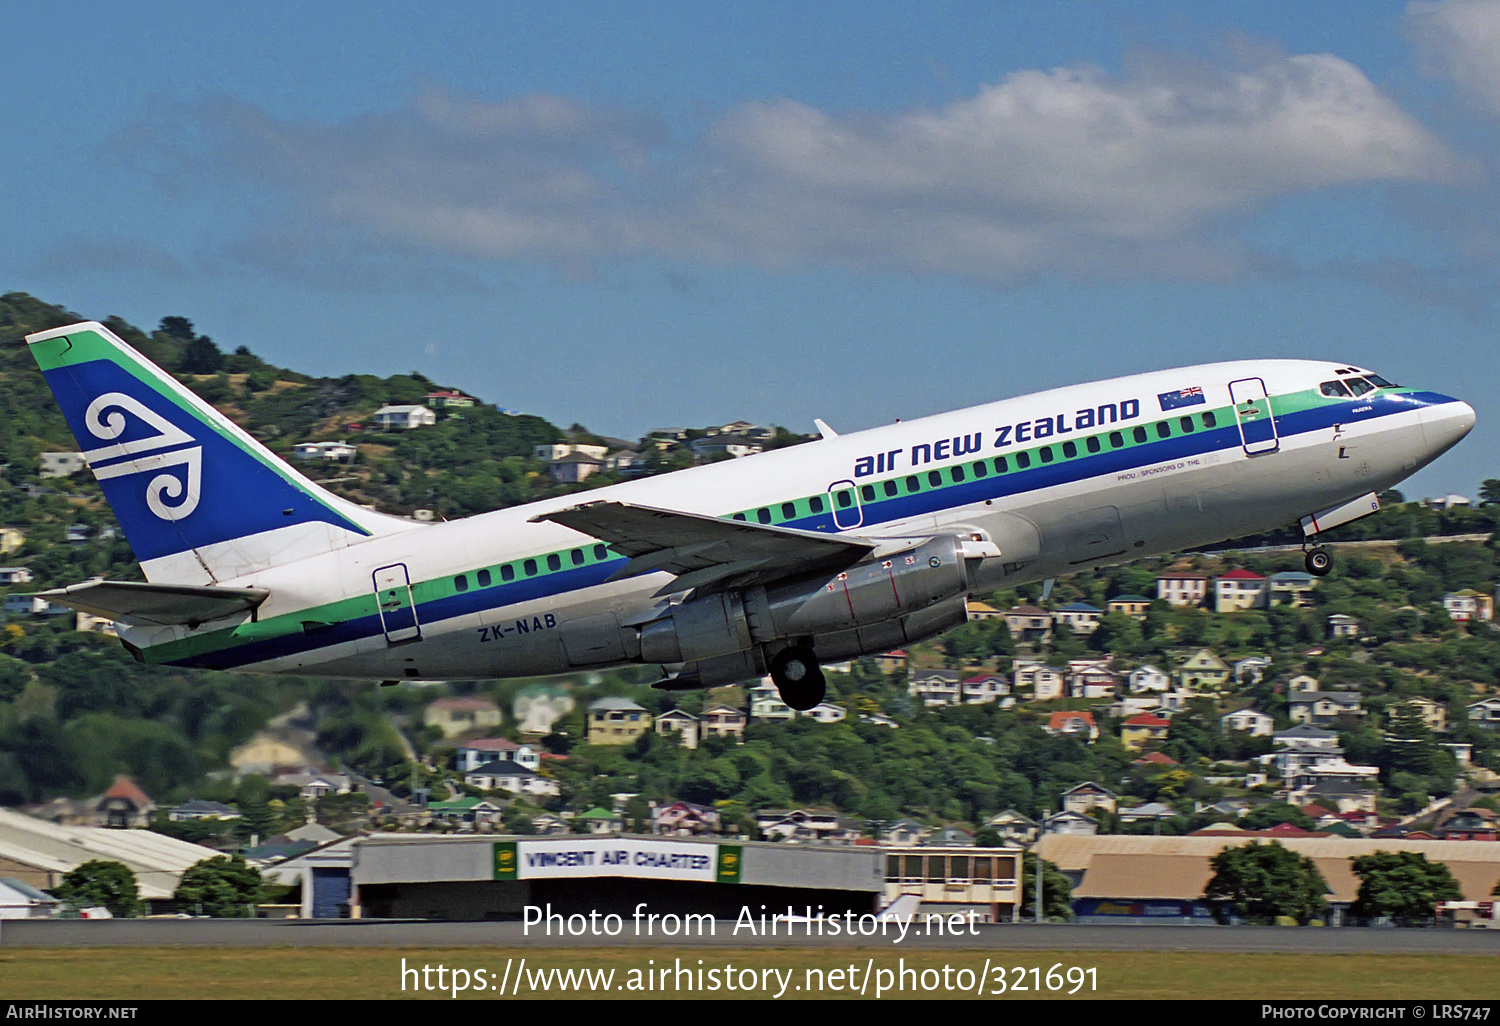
(104, 420)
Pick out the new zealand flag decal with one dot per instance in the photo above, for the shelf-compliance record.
(1182, 397)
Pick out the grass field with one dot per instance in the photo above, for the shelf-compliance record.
(127, 973)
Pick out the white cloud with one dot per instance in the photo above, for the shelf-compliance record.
(1461, 39)
(1069, 171)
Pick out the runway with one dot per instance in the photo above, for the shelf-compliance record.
(313, 933)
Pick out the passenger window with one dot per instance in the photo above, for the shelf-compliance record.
(815, 504)
(1069, 450)
(530, 567)
(577, 556)
(1163, 429)
(507, 572)
(913, 485)
(484, 578)
(981, 468)
(763, 515)
(1045, 452)
(1334, 389)
(788, 510)
(1187, 423)
(1116, 439)
(844, 499)
(739, 516)
(1023, 460)
(554, 562)
(890, 488)
(867, 493)
(1092, 444)
(1000, 465)
(600, 552)
(934, 478)
(1209, 420)
(461, 582)
(958, 474)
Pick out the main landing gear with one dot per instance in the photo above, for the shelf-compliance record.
(1318, 561)
(795, 673)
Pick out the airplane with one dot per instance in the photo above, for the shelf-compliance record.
(775, 563)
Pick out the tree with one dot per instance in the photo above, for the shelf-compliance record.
(110, 884)
(1057, 892)
(179, 328)
(1489, 492)
(1270, 815)
(223, 887)
(201, 356)
(1261, 882)
(1402, 885)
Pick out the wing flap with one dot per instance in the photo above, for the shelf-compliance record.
(701, 550)
(164, 604)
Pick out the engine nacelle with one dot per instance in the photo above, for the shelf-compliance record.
(873, 606)
(868, 593)
(698, 630)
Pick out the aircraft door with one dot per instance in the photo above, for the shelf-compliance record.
(1252, 409)
(398, 613)
(847, 513)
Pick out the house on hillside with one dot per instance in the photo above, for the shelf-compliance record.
(1182, 589)
(1248, 721)
(1202, 670)
(1291, 588)
(1029, 624)
(1240, 589)
(684, 724)
(1139, 731)
(455, 716)
(616, 721)
(125, 805)
(1080, 617)
(1079, 725)
(403, 418)
(935, 687)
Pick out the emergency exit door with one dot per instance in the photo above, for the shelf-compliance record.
(398, 613)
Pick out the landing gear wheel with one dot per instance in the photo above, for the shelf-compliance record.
(1319, 561)
(795, 673)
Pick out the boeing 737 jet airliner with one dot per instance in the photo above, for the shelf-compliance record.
(849, 545)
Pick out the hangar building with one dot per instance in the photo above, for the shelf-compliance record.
(489, 877)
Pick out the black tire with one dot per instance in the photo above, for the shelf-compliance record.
(1319, 561)
(797, 677)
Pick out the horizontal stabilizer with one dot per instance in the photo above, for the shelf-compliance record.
(167, 604)
(702, 550)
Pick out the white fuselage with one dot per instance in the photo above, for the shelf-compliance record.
(1259, 464)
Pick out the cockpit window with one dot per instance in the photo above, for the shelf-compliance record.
(1334, 389)
(1379, 382)
(1360, 385)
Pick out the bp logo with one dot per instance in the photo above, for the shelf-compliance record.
(168, 496)
(506, 860)
(730, 863)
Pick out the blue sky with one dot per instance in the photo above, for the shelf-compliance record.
(659, 214)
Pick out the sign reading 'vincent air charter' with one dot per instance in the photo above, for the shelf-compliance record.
(617, 856)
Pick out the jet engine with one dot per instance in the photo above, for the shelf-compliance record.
(881, 603)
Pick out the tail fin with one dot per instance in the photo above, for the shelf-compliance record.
(199, 500)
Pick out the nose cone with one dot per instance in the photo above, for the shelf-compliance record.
(1444, 425)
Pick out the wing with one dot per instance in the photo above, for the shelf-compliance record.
(137, 602)
(702, 550)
